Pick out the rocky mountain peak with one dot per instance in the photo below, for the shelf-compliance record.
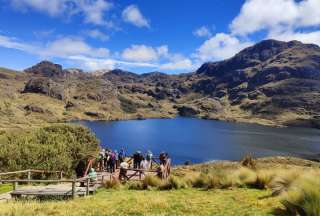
(46, 69)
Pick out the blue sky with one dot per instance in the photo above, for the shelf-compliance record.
(172, 36)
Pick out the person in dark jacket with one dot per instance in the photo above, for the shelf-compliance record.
(137, 158)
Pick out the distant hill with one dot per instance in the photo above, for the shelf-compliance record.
(272, 82)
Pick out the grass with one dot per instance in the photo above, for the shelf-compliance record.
(4, 188)
(239, 201)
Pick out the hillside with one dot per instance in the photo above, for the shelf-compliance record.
(272, 83)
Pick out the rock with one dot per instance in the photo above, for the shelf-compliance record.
(34, 108)
(94, 114)
(187, 111)
(70, 105)
(46, 69)
(44, 86)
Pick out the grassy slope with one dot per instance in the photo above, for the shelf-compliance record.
(176, 202)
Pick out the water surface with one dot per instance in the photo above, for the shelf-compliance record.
(197, 140)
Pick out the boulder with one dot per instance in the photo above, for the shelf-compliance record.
(45, 86)
(187, 111)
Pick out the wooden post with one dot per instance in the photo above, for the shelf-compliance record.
(87, 186)
(15, 185)
(61, 175)
(29, 174)
(102, 179)
(73, 189)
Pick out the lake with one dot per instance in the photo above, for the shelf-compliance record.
(198, 140)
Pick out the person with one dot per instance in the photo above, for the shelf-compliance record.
(105, 159)
(100, 160)
(145, 165)
(112, 162)
(137, 158)
(123, 171)
(149, 156)
(121, 155)
(92, 175)
(116, 159)
(162, 157)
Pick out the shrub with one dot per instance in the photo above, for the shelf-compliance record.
(303, 196)
(264, 178)
(58, 147)
(249, 162)
(200, 181)
(283, 181)
(135, 185)
(173, 183)
(151, 181)
(111, 184)
(244, 177)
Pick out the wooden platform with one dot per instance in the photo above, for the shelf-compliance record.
(60, 190)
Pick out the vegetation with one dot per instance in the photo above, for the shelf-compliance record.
(4, 188)
(274, 186)
(152, 202)
(58, 147)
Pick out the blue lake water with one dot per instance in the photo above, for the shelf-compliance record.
(197, 140)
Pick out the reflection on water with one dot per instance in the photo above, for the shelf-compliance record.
(197, 140)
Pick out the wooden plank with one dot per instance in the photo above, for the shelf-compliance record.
(40, 181)
(15, 172)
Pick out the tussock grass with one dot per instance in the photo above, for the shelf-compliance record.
(151, 181)
(111, 184)
(283, 180)
(303, 195)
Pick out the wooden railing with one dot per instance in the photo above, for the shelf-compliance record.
(137, 172)
(30, 171)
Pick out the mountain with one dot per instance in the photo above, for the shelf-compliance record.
(272, 82)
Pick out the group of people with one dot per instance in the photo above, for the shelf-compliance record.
(109, 160)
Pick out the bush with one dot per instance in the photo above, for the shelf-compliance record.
(200, 181)
(151, 181)
(244, 177)
(58, 147)
(173, 183)
(283, 181)
(303, 196)
(135, 185)
(111, 184)
(264, 179)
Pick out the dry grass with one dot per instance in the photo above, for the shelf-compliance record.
(151, 202)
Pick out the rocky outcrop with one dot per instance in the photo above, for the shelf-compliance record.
(188, 111)
(44, 86)
(95, 114)
(46, 69)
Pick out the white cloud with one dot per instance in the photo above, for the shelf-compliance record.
(219, 47)
(132, 14)
(305, 37)
(52, 7)
(143, 53)
(109, 64)
(13, 43)
(97, 34)
(72, 46)
(62, 47)
(183, 64)
(276, 15)
(92, 10)
(203, 31)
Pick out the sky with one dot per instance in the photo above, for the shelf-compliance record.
(171, 36)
